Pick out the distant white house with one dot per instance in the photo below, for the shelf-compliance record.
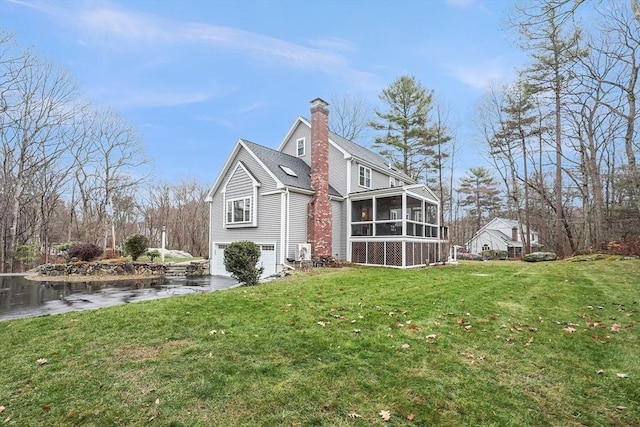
(501, 234)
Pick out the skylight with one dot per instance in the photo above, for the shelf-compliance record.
(288, 171)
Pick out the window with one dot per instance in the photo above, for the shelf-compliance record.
(392, 181)
(364, 174)
(239, 211)
(300, 147)
(485, 247)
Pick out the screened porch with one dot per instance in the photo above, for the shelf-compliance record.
(397, 226)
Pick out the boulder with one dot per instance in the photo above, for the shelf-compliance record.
(540, 256)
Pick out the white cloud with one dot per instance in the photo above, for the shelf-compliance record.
(151, 98)
(109, 26)
(483, 74)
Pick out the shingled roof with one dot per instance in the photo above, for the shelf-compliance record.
(273, 160)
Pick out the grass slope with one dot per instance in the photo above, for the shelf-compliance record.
(499, 343)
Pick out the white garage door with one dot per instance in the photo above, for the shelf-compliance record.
(267, 259)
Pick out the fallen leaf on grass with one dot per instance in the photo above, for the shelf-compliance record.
(468, 327)
(569, 329)
(2, 408)
(158, 401)
(405, 346)
(599, 371)
(41, 361)
(622, 375)
(321, 323)
(413, 328)
(410, 417)
(354, 415)
(431, 337)
(621, 408)
(616, 327)
(529, 342)
(459, 320)
(386, 415)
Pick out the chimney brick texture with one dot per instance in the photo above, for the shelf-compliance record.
(319, 209)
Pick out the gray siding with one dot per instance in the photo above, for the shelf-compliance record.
(378, 179)
(339, 231)
(298, 221)
(239, 185)
(269, 206)
(290, 147)
(337, 170)
(267, 183)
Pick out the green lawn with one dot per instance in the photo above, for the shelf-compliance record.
(497, 343)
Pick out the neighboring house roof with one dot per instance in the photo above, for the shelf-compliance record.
(491, 226)
(273, 160)
(500, 235)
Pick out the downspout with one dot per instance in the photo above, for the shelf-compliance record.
(288, 233)
(211, 247)
(283, 227)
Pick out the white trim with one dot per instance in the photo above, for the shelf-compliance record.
(221, 175)
(239, 224)
(349, 176)
(240, 165)
(304, 147)
(283, 225)
(364, 168)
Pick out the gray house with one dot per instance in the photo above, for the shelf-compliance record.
(321, 195)
(504, 235)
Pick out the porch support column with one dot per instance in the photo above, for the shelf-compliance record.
(405, 214)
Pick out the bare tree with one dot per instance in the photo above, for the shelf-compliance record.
(350, 116)
(38, 103)
(554, 50)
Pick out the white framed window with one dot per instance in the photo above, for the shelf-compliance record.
(300, 147)
(364, 176)
(485, 247)
(239, 211)
(392, 181)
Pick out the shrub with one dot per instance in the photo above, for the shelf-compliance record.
(153, 254)
(493, 254)
(241, 259)
(136, 245)
(84, 251)
(540, 256)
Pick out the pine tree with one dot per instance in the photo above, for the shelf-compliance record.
(406, 139)
(482, 195)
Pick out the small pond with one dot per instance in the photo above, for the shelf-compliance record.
(20, 297)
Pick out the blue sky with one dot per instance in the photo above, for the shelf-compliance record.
(194, 76)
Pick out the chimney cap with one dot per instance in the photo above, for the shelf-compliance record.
(319, 102)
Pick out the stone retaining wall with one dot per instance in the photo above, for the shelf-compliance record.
(102, 269)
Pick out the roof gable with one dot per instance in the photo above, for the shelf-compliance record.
(350, 149)
(275, 160)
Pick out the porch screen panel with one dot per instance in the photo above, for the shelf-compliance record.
(410, 253)
(375, 253)
(359, 252)
(394, 253)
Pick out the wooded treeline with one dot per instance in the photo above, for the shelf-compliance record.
(562, 139)
(73, 172)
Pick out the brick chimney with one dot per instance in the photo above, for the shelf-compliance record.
(319, 208)
(514, 234)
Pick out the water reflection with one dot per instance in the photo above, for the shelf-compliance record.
(20, 297)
